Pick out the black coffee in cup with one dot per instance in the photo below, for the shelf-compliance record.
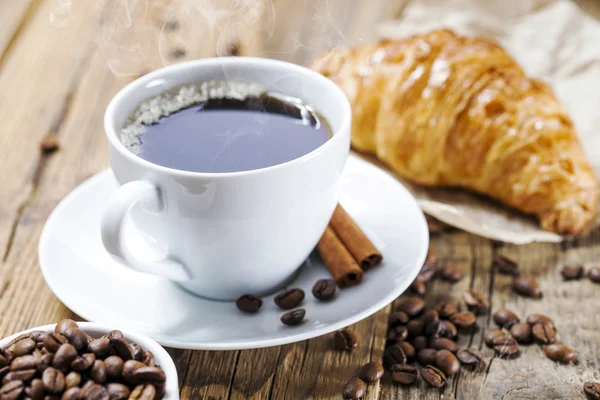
(221, 126)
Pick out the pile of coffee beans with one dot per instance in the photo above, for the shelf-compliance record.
(68, 364)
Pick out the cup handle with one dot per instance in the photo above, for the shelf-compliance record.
(111, 224)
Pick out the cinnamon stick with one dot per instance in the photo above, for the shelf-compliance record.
(340, 263)
(354, 239)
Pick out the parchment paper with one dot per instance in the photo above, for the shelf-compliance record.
(553, 40)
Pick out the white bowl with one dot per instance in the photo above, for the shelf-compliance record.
(96, 330)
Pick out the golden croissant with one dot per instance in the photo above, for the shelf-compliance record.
(447, 110)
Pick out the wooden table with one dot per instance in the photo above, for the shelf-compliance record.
(59, 66)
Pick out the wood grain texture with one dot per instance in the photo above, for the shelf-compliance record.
(56, 78)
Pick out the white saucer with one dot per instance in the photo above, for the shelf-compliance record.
(88, 281)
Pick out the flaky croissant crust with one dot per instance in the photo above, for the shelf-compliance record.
(447, 110)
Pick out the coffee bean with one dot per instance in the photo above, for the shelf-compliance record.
(443, 344)
(492, 334)
(76, 337)
(527, 287)
(3, 361)
(19, 338)
(44, 361)
(143, 392)
(83, 362)
(539, 319)
(73, 393)
(441, 328)
(72, 379)
(521, 332)
(137, 351)
(147, 358)
(592, 390)
(451, 273)
(114, 366)
(100, 347)
(24, 375)
(447, 362)
(544, 333)
(345, 341)
(24, 362)
(427, 273)
(21, 348)
(35, 390)
(420, 342)
(506, 266)
(118, 391)
(561, 353)
(572, 272)
(153, 375)
(464, 319)
(98, 372)
(371, 372)
(355, 389)
(418, 287)
(129, 367)
(394, 355)
(470, 356)
(404, 374)
(4, 371)
(53, 380)
(505, 346)
(87, 386)
(96, 392)
(53, 341)
(398, 333)
(505, 318)
(433, 376)
(64, 324)
(409, 351)
(324, 289)
(429, 316)
(12, 390)
(64, 356)
(414, 328)
(594, 275)
(293, 317)
(476, 300)
(411, 305)
(426, 356)
(249, 303)
(121, 345)
(289, 298)
(398, 318)
(446, 308)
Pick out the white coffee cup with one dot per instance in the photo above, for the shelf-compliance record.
(227, 234)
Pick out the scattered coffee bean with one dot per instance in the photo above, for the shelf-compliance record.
(506, 266)
(12, 390)
(345, 341)
(429, 316)
(447, 362)
(415, 327)
(418, 287)
(544, 333)
(492, 334)
(398, 333)
(594, 275)
(294, 317)
(561, 353)
(433, 376)
(53, 380)
(521, 332)
(527, 287)
(355, 389)
(426, 356)
(470, 356)
(441, 328)
(394, 355)
(371, 372)
(476, 300)
(464, 319)
(249, 303)
(451, 273)
(427, 272)
(420, 342)
(324, 289)
(443, 344)
(404, 374)
(592, 390)
(505, 318)
(572, 272)
(409, 351)
(289, 298)
(446, 308)
(412, 306)
(539, 319)
(505, 346)
(117, 391)
(398, 318)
